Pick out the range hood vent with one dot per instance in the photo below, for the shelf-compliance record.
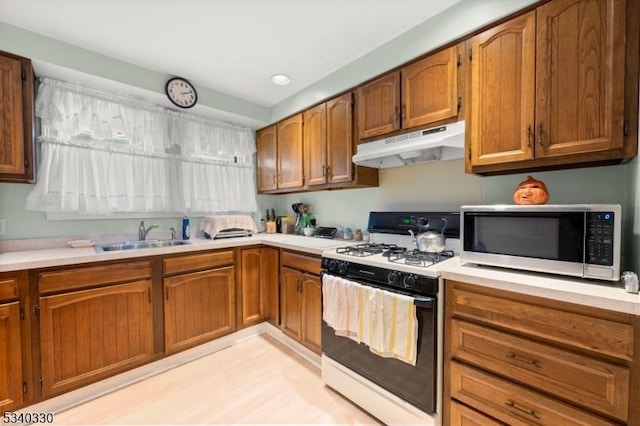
(435, 144)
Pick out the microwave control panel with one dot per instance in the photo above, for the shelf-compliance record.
(600, 238)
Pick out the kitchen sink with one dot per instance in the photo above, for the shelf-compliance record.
(136, 245)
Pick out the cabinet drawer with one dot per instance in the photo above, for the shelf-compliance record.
(508, 311)
(591, 383)
(92, 276)
(465, 416)
(301, 262)
(194, 262)
(514, 404)
(8, 288)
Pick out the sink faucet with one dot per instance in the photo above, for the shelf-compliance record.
(173, 233)
(142, 231)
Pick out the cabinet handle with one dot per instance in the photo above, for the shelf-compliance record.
(324, 170)
(540, 131)
(166, 293)
(328, 171)
(404, 112)
(522, 360)
(527, 411)
(396, 113)
(529, 135)
(274, 179)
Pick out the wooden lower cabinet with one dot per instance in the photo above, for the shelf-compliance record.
(291, 302)
(258, 286)
(90, 334)
(11, 394)
(311, 309)
(198, 307)
(301, 299)
(272, 289)
(461, 415)
(525, 360)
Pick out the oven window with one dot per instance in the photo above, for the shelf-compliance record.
(555, 236)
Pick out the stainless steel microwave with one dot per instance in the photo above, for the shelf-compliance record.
(581, 240)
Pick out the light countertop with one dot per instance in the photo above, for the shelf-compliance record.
(600, 294)
(43, 258)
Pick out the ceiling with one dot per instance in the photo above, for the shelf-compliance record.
(232, 46)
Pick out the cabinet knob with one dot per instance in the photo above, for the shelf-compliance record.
(529, 135)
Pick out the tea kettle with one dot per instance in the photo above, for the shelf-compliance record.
(430, 241)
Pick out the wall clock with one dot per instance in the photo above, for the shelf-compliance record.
(181, 92)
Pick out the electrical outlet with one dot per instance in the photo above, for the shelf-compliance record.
(2, 225)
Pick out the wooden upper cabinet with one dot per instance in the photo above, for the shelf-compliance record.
(379, 106)
(16, 119)
(430, 89)
(556, 87)
(267, 158)
(328, 142)
(502, 92)
(580, 70)
(290, 173)
(315, 145)
(340, 141)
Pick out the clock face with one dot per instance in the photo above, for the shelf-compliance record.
(181, 92)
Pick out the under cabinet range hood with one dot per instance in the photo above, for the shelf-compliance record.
(438, 143)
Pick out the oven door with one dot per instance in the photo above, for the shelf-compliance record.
(414, 384)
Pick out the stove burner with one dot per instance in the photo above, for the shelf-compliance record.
(394, 251)
(366, 249)
(419, 258)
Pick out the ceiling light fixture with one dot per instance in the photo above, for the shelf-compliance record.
(280, 79)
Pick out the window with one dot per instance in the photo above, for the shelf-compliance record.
(106, 155)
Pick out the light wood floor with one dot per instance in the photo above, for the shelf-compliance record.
(258, 381)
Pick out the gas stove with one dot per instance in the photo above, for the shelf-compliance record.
(391, 247)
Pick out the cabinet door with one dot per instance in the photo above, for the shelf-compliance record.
(271, 277)
(198, 307)
(291, 303)
(252, 280)
(10, 357)
(16, 120)
(502, 92)
(315, 145)
(267, 156)
(311, 312)
(290, 153)
(430, 89)
(91, 334)
(379, 106)
(340, 139)
(580, 67)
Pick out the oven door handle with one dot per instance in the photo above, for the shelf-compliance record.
(424, 302)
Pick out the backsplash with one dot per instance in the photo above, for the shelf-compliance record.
(432, 186)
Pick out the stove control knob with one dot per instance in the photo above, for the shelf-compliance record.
(393, 277)
(343, 267)
(333, 265)
(410, 281)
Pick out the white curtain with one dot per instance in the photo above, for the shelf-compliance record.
(103, 154)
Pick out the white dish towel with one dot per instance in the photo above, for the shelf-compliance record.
(340, 301)
(388, 324)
